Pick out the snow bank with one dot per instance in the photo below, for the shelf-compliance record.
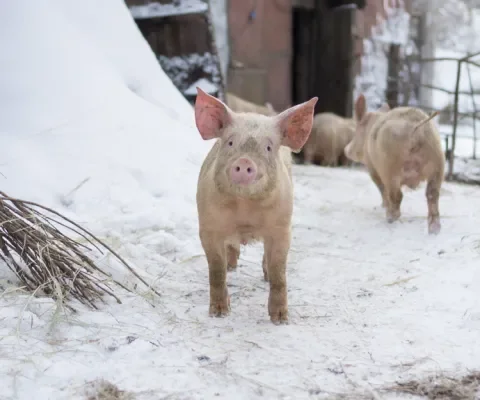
(82, 99)
(91, 126)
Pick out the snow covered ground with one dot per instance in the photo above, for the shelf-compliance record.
(381, 303)
(370, 303)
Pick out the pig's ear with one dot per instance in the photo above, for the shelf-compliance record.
(360, 107)
(296, 123)
(211, 115)
(384, 108)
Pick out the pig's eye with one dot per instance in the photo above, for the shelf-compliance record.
(269, 148)
(230, 143)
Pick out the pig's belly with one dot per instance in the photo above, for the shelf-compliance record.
(243, 235)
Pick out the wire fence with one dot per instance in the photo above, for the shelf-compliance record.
(405, 82)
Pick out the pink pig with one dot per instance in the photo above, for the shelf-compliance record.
(245, 193)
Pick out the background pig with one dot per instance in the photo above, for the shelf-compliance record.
(399, 147)
(245, 192)
(240, 105)
(326, 144)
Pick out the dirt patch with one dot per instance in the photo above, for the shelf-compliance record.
(104, 390)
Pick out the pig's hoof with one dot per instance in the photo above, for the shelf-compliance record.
(220, 308)
(278, 312)
(393, 216)
(279, 316)
(434, 227)
(231, 267)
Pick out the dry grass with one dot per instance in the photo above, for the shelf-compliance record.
(104, 390)
(46, 260)
(443, 387)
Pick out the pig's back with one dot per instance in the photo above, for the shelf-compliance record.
(398, 142)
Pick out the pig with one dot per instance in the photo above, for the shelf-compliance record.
(326, 144)
(245, 193)
(241, 105)
(399, 146)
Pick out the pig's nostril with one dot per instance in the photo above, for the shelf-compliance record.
(237, 169)
(249, 170)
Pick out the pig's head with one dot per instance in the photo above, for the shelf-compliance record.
(364, 121)
(248, 161)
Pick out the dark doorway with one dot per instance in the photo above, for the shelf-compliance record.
(303, 32)
(322, 62)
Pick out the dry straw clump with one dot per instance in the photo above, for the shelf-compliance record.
(104, 390)
(45, 259)
(443, 387)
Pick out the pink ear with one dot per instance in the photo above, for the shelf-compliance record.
(360, 107)
(296, 124)
(211, 115)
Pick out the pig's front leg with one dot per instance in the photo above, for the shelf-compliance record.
(276, 250)
(215, 250)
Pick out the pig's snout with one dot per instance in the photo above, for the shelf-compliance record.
(243, 171)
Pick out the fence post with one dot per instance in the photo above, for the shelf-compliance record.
(393, 75)
(455, 120)
(472, 90)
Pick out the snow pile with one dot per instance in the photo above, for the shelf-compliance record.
(86, 103)
(178, 7)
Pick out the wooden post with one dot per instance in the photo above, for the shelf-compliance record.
(393, 75)
(472, 91)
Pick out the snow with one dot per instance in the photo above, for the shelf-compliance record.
(370, 303)
(181, 69)
(203, 84)
(178, 7)
(72, 116)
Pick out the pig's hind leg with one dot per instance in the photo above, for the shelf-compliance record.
(433, 195)
(379, 184)
(393, 197)
(265, 264)
(233, 253)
